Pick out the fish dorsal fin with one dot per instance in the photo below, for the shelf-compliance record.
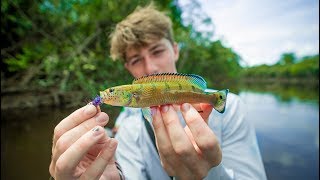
(174, 78)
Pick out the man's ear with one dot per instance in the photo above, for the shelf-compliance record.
(176, 51)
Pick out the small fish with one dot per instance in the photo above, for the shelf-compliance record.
(163, 88)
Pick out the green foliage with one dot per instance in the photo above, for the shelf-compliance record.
(287, 67)
(287, 59)
(67, 41)
(216, 63)
(21, 61)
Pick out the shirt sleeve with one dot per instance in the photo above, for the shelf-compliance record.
(241, 157)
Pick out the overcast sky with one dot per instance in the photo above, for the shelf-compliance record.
(261, 30)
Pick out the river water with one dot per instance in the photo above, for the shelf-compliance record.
(287, 127)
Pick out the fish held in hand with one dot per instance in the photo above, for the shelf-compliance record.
(164, 88)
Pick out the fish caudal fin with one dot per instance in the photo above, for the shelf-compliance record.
(220, 100)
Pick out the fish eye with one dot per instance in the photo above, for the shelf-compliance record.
(220, 97)
(111, 90)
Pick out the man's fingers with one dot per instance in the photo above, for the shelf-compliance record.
(203, 135)
(68, 138)
(181, 143)
(70, 159)
(163, 142)
(73, 120)
(161, 135)
(99, 165)
(207, 109)
(177, 135)
(204, 110)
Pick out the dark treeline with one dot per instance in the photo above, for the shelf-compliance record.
(289, 69)
(64, 45)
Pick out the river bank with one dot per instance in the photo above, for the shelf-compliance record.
(24, 98)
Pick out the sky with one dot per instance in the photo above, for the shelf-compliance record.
(260, 31)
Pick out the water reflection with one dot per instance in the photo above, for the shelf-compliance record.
(26, 138)
(287, 133)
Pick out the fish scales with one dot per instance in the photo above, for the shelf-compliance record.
(165, 88)
(175, 98)
(147, 96)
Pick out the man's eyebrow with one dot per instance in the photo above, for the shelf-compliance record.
(152, 48)
(155, 47)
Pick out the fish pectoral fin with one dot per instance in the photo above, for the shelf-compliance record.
(146, 112)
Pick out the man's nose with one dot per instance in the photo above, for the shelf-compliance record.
(150, 67)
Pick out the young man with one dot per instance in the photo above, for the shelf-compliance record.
(193, 142)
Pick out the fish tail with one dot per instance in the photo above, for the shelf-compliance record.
(219, 100)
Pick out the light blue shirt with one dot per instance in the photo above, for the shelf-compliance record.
(241, 157)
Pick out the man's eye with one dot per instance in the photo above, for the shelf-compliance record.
(135, 61)
(157, 52)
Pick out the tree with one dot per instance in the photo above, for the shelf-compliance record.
(287, 58)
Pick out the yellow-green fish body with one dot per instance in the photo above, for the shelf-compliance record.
(165, 88)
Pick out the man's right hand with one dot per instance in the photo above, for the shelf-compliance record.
(81, 148)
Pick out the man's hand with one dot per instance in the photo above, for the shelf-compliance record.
(190, 152)
(81, 148)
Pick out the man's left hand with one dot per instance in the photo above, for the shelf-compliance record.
(186, 152)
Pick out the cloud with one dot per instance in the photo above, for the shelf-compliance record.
(260, 31)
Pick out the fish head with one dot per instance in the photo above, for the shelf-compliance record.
(117, 96)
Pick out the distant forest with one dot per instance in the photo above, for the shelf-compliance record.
(288, 67)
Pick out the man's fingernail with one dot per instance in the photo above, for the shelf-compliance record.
(96, 130)
(185, 107)
(102, 118)
(165, 108)
(90, 110)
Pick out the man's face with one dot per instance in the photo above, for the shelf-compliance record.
(158, 57)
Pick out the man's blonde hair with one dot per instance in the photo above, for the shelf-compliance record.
(141, 28)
